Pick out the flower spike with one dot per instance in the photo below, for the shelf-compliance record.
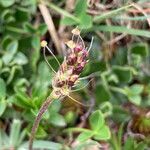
(65, 78)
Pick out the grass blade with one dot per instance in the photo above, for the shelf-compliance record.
(15, 132)
(138, 18)
(63, 12)
(110, 13)
(122, 29)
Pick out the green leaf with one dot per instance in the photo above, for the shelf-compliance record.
(85, 21)
(136, 60)
(6, 41)
(55, 106)
(80, 12)
(135, 99)
(12, 47)
(109, 14)
(85, 136)
(140, 49)
(96, 120)
(120, 134)
(35, 55)
(1, 64)
(124, 74)
(7, 3)
(15, 133)
(44, 73)
(63, 12)
(22, 100)
(41, 133)
(122, 29)
(87, 145)
(3, 138)
(137, 18)
(21, 84)
(120, 58)
(22, 15)
(81, 7)
(129, 144)
(2, 89)
(3, 105)
(141, 146)
(103, 134)
(20, 59)
(14, 70)
(42, 81)
(102, 93)
(76, 129)
(94, 66)
(68, 21)
(42, 29)
(106, 108)
(119, 114)
(57, 120)
(133, 93)
(136, 89)
(7, 17)
(15, 30)
(36, 42)
(10, 52)
(70, 117)
(29, 28)
(39, 144)
(25, 44)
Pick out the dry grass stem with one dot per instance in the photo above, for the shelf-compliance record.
(51, 28)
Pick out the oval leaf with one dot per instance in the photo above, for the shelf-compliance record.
(2, 106)
(103, 134)
(85, 136)
(2, 88)
(39, 144)
(57, 120)
(96, 120)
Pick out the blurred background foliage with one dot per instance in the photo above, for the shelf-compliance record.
(119, 64)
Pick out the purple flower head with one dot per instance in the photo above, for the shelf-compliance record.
(73, 64)
(78, 48)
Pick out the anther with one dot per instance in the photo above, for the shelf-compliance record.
(71, 44)
(43, 43)
(76, 31)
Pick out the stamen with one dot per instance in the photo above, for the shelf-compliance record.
(65, 61)
(91, 75)
(82, 41)
(78, 40)
(71, 44)
(72, 37)
(77, 101)
(47, 61)
(53, 55)
(90, 44)
(81, 87)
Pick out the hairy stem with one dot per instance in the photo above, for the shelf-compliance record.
(42, 110)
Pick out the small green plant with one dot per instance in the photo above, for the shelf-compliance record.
(117, 141)
(98, 129)
(15, 137)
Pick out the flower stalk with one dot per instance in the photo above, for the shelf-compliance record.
(43, 108)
